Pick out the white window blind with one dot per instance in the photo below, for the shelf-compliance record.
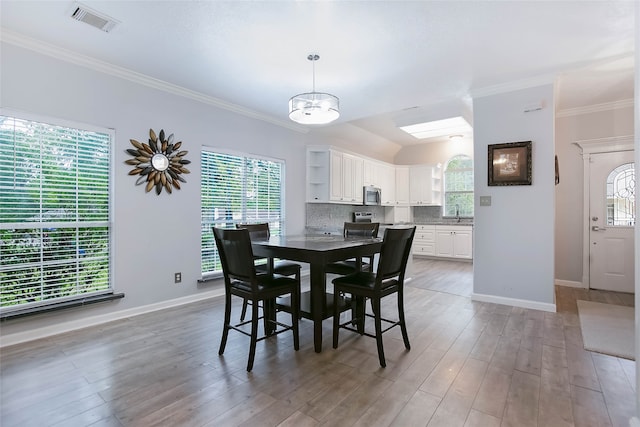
(237, 188)
(54, 213)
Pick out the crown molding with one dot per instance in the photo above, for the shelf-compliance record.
(605, 145)
(39, 46)
(513, 86)
(596, 108)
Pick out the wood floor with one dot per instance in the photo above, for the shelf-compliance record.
(470, 364)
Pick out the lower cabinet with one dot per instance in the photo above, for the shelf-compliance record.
(447, 241)
(424, 241)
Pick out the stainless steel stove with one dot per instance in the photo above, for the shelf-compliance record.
(362, 216)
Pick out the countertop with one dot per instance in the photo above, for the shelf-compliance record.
(338, 231)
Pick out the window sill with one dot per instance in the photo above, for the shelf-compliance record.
(59, 306)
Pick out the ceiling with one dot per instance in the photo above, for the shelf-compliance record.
(387, 61)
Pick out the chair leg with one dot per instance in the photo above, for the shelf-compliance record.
(375, 305)
(254, 335)
(227, 320)
(269, 315)
(245, 303)
(403, 324)
(295, 315)
(336, 318)
(361, 303)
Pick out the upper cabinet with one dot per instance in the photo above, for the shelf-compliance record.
(387, 174)
(402, 185)
(425, 185)
(318, 175)
(345, 178)
(335, 176)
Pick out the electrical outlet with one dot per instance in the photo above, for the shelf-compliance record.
(485, 200)
(177, 277)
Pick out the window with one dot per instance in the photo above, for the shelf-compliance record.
(237, 188)
(54, 213)
(621, 196)
(458, 187)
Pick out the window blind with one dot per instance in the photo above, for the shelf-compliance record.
(54, 213)
(237, 189)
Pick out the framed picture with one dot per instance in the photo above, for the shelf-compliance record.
(510, 164)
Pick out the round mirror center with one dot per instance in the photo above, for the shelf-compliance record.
(159, 162)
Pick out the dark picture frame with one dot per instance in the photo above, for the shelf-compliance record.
(510, 163)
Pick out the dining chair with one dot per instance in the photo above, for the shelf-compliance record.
(387, 280)
(241, 280)
(355, 229)
(261, 231)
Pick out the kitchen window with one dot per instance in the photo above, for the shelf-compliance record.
(237, 188)
(55, 215)
(458, 187)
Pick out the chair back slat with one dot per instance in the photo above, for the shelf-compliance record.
(361, 229)
(257, 231)
(236, 255)
(394, 253)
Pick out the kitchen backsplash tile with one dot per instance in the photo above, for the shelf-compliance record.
(329, 216)
(433, 215)
(427, 214)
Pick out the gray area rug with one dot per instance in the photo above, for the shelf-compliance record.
(608, 328)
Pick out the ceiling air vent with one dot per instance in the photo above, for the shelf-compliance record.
(89, 16)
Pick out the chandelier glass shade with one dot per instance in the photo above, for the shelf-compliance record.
(314, 108)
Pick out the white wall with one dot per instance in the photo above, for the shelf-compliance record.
(569, 193)
(636, 117)
(514, 237)
(154, 236)
(433, 152)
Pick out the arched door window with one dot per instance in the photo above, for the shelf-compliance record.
(458, 187)
(621, 196)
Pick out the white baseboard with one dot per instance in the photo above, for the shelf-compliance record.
(534, 305)
(570, 284)
(44, 332)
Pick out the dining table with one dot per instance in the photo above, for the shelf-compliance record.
(316, 250)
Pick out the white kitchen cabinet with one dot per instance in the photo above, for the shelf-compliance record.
(436, 185)
(424, 241)
(387, 186)
(318, 175)
(345, 178)
(402, 185)
(370, 175)
(397, 214)
(336, 176)
(454, 241)
(352, 179)
(425, 185)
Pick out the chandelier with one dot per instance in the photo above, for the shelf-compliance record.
(314, 108)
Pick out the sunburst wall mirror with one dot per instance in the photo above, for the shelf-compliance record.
(159, 164)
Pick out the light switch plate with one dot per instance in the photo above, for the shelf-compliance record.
(485, 200)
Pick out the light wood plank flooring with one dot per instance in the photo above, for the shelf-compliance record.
(470, 364)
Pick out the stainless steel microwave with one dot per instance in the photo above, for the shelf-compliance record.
(371, 195)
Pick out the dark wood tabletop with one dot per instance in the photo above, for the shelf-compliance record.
(317, 251)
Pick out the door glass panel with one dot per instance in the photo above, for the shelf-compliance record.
(621, 196)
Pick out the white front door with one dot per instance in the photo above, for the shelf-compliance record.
(612, 220)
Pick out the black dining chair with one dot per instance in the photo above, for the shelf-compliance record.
(261, 231)
(387, 280)
(355, 229)
(241, 280)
